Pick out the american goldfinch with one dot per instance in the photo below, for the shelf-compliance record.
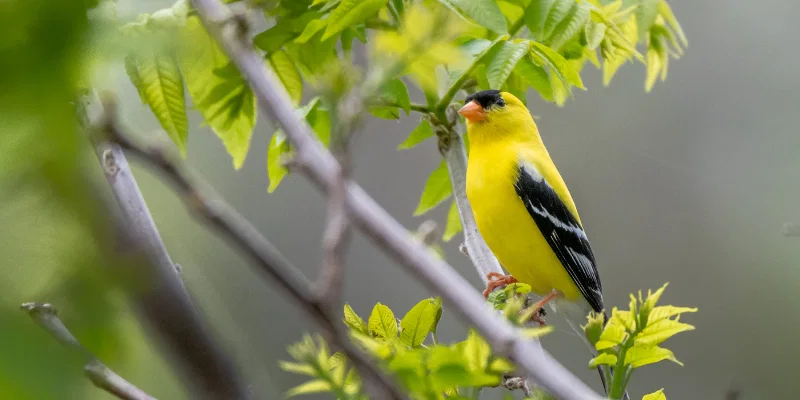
(523, 209)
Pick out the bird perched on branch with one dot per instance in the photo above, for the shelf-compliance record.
(523, 208)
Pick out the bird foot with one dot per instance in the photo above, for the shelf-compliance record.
(497, 280)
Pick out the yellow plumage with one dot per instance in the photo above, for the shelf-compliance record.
(498, 144)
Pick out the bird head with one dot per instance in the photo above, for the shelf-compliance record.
(492, 113)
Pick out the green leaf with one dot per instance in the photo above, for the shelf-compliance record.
(558, 64)
(311, 29)
(484, 12)
(646, 13)
(505, 61)
(396, 92)
(665, 11)
(660, 331)
(284, 31)
(437, 189)
(276, 171)
(218, 91)
(418, 135)
(349, 13)
(476, 351)
(418, 322)
(568, 27)
(641, 355)
(315, 386)
(595, 32)
(353, 321)
(539, 12)
(657, 395)
(453, 226)
(384, 112)
(448, 368)
(160, 85)
(613, 334)
(594, 327)
(536, 332)
(662, 312)
(536, 77)
(650, 302)
(287, 72)
(603, 359)
(297, 368)
(438, 316)
(382, 323)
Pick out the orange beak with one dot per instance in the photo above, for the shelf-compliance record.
(473, 111)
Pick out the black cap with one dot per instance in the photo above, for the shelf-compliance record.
(487, 98)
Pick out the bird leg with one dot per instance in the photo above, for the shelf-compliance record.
(495, 280)
(539, 313)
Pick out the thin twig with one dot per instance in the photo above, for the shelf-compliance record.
(46, 316)
(210, 209)
(165, 306)
(378, 225)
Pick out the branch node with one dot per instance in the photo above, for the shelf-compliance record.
(110, 166)
(36, 308)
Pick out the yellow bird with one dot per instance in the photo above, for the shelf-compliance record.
(524, 210)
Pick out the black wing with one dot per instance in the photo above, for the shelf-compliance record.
(563, 232)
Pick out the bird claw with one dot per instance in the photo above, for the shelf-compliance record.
(496, 280)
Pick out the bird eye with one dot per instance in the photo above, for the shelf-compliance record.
(501, 102)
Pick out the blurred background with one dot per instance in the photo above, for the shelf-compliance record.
(690, 184)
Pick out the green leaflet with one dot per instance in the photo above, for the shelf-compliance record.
(311, 29)
(570, 25)
(418, 135)
(535, 76)
(657, 395)
(641, 355)
(382, 323)
(218, 91)
(160, 85)
(315, 386)
(283, 66)
(453, 226)
(505, 61)
(437, 189)
(278, 146)
(419, 321)
(284, 31)
(646, 12)
(395, 92)
(484, 12)
(353, 321)
(349, 13)
(603, 359)
(558, 11)
(595, 32)
(557, 64)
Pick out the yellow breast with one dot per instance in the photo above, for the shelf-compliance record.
(505, 224)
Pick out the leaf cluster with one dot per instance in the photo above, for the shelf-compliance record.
(631, 339)
(409, 349)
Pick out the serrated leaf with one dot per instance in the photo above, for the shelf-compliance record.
(572, 23)
(418, 135)
(453, 226)
(310, 30)
(218, 91)
(657, 395)
(418, 322)
(650, 302)
(558, 64)
(159, 82)
(353, 321)
(603, 359)
(641, 355)
(558, 12)
(382, 323)
(349, 13)
(283, 66)
(483, 12)
(536, 77)
(297, 368)
(660, 331)
(595, 32)
(315, 386)
(437, 189)
(276, 171)
(613, 334)
(662, 312)
(536, 15)
(504, 62)
(396, 92)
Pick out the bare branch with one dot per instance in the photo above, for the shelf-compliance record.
(46, 316)
(166, 306)
(379, 226)
(210, 209)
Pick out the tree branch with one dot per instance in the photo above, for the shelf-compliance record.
(165, 305)
(208, 208)
(46, 316)
(379, 226)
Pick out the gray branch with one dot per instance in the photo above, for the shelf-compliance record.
(378, 225)
(165, 306)
(46, 316)
(210, 209)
